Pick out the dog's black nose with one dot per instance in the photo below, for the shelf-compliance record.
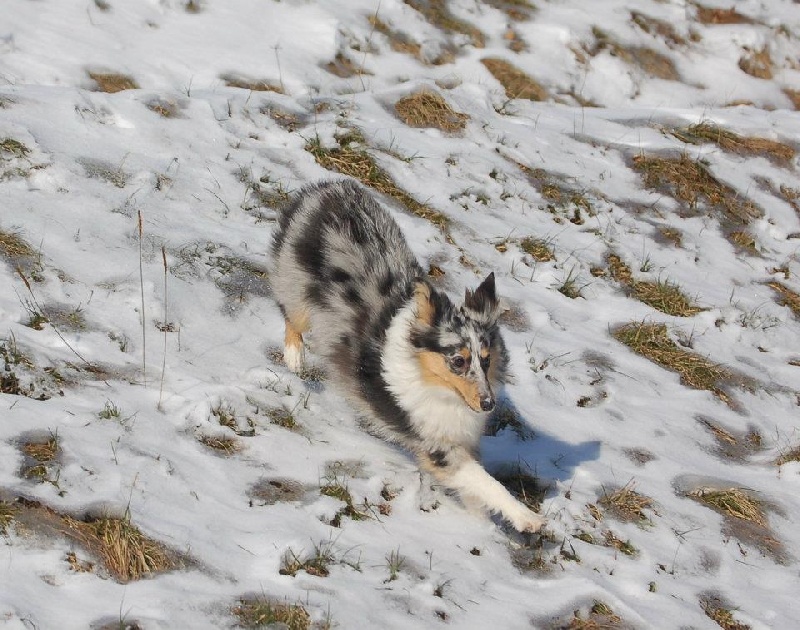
(487, 404)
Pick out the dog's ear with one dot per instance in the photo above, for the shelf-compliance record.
(482, 304)
(424, 306)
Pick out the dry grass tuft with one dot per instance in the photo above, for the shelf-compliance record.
(646, 59)
(663, 296)
(13, 148)
(720, 613)
(658, 28)
(39, 454)
(112, 82)
(598, 617)
(732, 502)
(522, 484)
(399, 42)
(516, 10)
(793, 96)
(652, 342)
(315, 563)
(6, 516)
(255, 85)
(260, 612)
(13, 246)
(729, 141)
(515, 82)
(788, 297)
(690, 182)
(626, 504)
(437, 13)
(349, 158)
(164, 108)
(429, 109)
(125, 551)
(757, 63)
(538, 249)
(222, 443)
(708, 15)
(791, 455)
(344, 67)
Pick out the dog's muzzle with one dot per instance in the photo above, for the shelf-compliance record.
(487, 403)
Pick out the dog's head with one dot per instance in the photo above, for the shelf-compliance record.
(460, 348)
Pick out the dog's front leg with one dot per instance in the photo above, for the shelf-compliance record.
(459, 470)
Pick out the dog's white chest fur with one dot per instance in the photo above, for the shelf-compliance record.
(439, 416)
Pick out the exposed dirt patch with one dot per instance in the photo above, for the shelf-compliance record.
(269, 491)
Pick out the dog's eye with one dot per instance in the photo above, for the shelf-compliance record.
(458, 362)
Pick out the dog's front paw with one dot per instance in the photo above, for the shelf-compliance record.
(527, 522)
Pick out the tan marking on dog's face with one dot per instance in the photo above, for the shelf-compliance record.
(435, 371)
(422, 300)
(484, 352)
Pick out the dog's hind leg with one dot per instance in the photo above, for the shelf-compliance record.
(293, 349)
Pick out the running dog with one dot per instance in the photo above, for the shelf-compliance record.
(422, 370)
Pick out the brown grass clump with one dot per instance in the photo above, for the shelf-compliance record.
(652, 342)
(658, 28)
(164, 108)
(112, 82)
(720, 613)
(6, 516)
(429, 109)
(788, 297)
(437, 13)
(255, 85)
(794, 97)
(732, 502)
(399, 42)
(538, 249)
(40, 453)
(708, 15)
(626, 504)
(13, 246)
(646, 59)
(125, 551)
(663, 296)
(515, 82)
(343, 67)
(352, 160)
(222, 443)
(523, 485)
(757, 63)
(791, 455)
(260, 612)
(599, 616)
(691, 182)
(729, 141)
(517, 10)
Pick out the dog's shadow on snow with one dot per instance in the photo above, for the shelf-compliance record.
(510, 441)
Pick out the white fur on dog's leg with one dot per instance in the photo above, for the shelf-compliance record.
(294, 358)
(476, 486)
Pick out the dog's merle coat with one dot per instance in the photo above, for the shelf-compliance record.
(421, 369)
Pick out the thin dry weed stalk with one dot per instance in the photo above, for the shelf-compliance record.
(140, 227)
(166, 328)
(429, 109)
(515, 82)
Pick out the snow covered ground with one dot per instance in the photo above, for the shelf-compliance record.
(139, 340)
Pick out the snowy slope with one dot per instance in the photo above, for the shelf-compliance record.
(202, 164)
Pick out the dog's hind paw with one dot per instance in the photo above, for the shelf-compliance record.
(293, 357)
